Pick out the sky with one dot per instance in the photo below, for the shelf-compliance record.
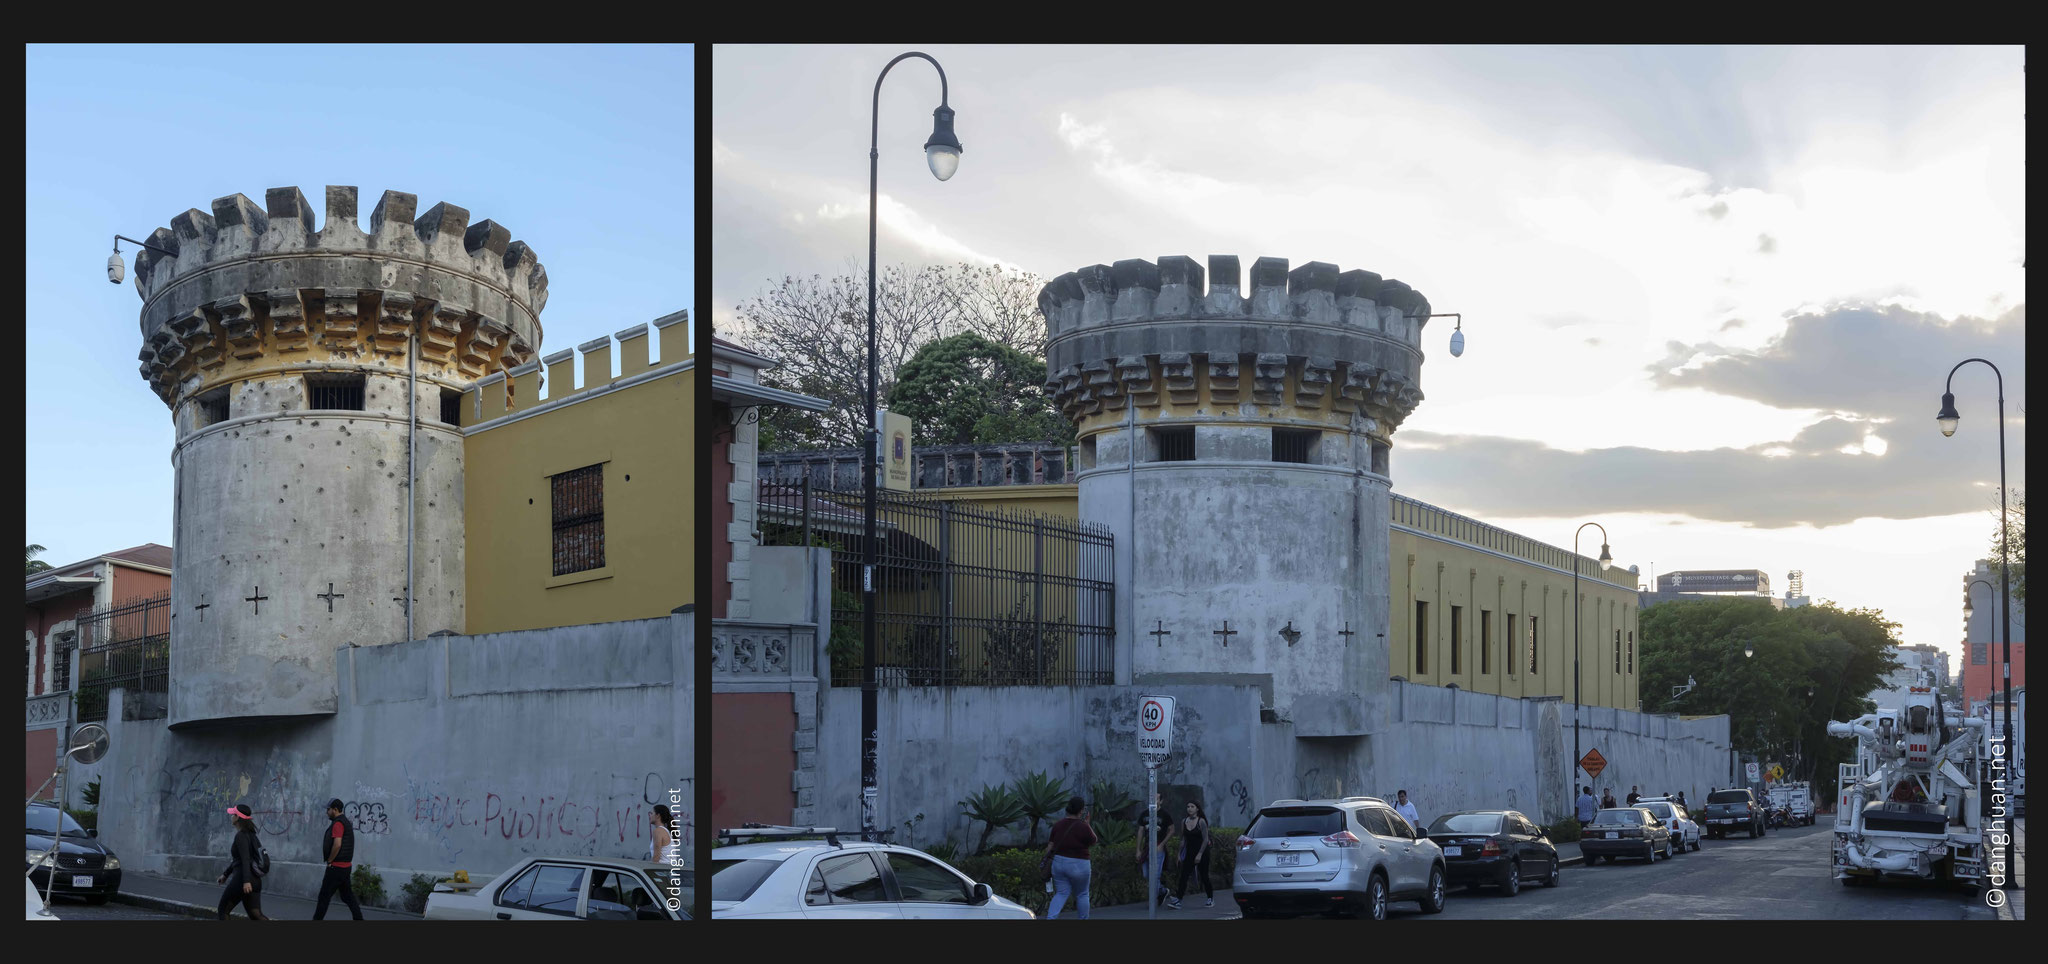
(1710, 295)
(586, 153)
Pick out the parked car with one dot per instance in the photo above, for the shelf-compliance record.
(1497, 847)
(1348, 857)
(565, 888)
(1731, 810)
(1630, 832)
(832, 879)
(84, 866)
(36, 909)
(1685, 831)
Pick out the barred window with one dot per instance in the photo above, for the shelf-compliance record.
(1617, 650)
(1457, 639)
(1514, 653)
(1533, 640)
(1294, 445)
(213, 408)
(1421, 637)
(1631, 650)
(451, 406)
(1485, 641)
(1176, 444)
(60, 678)
(579, 519)
(331, 390)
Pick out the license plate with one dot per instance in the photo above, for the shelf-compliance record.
(78, 881)
(1612, 836)
(1454, 851)
(1286, 860)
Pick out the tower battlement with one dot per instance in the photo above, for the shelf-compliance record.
(1314, 338)
(250, 281)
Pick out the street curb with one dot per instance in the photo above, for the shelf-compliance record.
(166, 905)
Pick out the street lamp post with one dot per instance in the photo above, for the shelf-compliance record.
(942, 154)
(1606, 562)
(1947, 419)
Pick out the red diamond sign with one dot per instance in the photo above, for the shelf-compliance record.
(1593, 763)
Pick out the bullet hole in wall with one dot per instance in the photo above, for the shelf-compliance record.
(629, 478)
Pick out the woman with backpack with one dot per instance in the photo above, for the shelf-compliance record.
(247, 863)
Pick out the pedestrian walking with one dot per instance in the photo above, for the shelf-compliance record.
(1066, 859)
(1587, 807)
(247, 862)
(1681, 798)
(664, 843)
(1607, 798)
(1634, 794)
(1152, 845)
(1194, 855)
(338, 845)
(1406, 809)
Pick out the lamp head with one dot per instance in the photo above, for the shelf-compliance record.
(1748, 649)
(1948, 417)
(942, 151)
(1606, 558)
(1457, 341)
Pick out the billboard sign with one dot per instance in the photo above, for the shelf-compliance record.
(1716, 580)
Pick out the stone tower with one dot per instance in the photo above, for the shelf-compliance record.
(1237, 445)
(283, 353)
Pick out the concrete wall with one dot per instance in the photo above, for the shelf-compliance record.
(451, 753)
(1449, 749)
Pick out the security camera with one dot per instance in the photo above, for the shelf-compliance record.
(116, 269)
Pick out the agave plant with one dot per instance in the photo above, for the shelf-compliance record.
(1109, 798)
(1041, 796)
(1109, 833)
(996, 807)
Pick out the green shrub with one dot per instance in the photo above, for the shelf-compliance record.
(1115, 876)
(995, 807)
(1563, 831)
(368, 884)
(1040, 796)
(944, 850)
(91, 794)
(416, 891)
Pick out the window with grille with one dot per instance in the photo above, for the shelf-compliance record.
(334, 391)
(1533, 638)
(1295, 445)
(60, 677)
(1176, 444)
(451, 406)
(1457, 639)
(579, 519)
(1421, 638)
(1485, 641)
(1617, 650)
(213, 408)
(1514, 653)
(1631, 651)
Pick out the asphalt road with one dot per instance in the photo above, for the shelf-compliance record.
(68, 909)
(1781, 876)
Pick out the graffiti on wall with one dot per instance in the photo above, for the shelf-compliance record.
(612, 821)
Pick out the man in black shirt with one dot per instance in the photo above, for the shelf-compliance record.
(1158, 852)
(338, 846)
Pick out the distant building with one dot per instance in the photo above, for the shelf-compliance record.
(1982, 653)
(1919, 665)
(57, 601)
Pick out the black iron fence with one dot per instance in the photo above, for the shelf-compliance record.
(126, 645)
(966, 594)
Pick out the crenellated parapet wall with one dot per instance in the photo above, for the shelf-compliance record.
(256, 289)
(1314, 344)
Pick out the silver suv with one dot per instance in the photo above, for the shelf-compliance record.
(1342, 857)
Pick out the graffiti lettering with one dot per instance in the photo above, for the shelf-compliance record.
(367, 818)
(1242, 794)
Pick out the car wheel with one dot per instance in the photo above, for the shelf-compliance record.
(1695, 843)
(1513, 884)
(1434, 902)
(1752, 831)
(1555, 878)
(1376, 898)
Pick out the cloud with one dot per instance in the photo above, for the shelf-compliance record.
(1732, 324)
(1765, 244)
(1718, 210)
(1866, 368)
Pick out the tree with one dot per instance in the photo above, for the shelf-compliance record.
(35, 565)
(965, 389)
(2016, 544)
(816, 329)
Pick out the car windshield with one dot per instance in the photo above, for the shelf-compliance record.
(1466, 823)
(43, 820)
(1728, 796)
(1623, 817)
(1296, 822)
(738, 879)
(1662, 810)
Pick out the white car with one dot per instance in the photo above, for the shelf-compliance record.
(834, 879)
(566, 888)
(36, 909)
(1685, 832)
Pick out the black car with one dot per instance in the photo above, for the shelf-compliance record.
(1732, 810)
(1497, 847)
(85, 867)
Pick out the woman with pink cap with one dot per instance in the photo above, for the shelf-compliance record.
(244, 873)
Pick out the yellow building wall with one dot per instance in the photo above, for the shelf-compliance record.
(642, 434)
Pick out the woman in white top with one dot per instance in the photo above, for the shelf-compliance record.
(664, 842)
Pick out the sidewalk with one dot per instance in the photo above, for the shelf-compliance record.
(202, 899)
(1226, 906)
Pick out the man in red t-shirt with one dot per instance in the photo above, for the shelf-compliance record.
(338, 845)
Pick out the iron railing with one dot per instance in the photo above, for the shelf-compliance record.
(126, 645)
(965, 594)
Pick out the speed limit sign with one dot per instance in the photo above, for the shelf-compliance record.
(1155, 726)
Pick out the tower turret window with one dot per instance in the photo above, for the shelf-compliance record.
(451, 406)
(335, 390)
(213, 408)
(1174, 443)
(1295, 445)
